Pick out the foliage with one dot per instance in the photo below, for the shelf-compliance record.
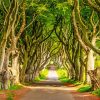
(63, 77)
(62, 73)
(71, 81)
(85, 89)
(97, 63)
(43, 74)
(64, 80)
(96, 92)
(37, 79)
(38, 31)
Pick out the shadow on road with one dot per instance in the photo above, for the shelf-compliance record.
(48, 83)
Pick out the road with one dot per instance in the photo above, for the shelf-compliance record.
(50, 89)
(48, 93)
(53, 89)
(52, 75)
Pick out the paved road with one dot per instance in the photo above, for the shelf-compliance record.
(48, 93)
(53, 89)
(52, 75)
(50, 89)
(52, 80)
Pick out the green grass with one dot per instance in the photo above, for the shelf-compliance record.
(62, 74)
(37, 79)
(86, 88)
(15, 87)
(96, 92)
(66, 80)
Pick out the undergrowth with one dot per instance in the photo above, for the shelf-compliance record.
(15, 87)
(66, 80)
(43, 75)
(96, 92)
(62, 73)
(10, 96)
(86, 88)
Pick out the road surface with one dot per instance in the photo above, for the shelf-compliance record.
(48, 93)
(53, 89)
(50, 89)
(52, 75)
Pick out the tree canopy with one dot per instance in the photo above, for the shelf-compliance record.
(35, 32)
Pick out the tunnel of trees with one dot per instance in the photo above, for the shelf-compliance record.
(35, 32)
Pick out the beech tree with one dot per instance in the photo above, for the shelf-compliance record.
(35, 32)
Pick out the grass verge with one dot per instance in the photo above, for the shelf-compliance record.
(88, 88)
(85, 88)
(66, 80)
(96, 92)
(15, 87)
(62, 74)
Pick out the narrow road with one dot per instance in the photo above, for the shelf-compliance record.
(52, 75)
(48, 93)
(50, 89)
(53, 89)
(56, 93)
